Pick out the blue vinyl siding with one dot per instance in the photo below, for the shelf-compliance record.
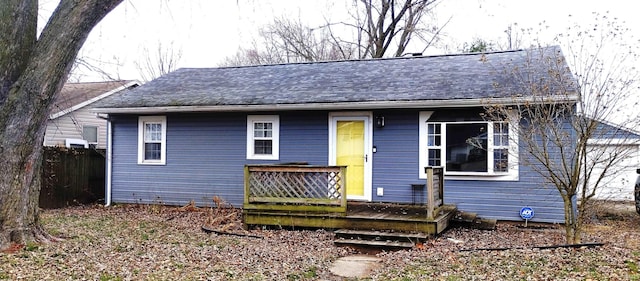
(304, 138)
(395, 168)
(206, 154)
(395, 164)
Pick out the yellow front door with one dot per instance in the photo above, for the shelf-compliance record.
(350, 152)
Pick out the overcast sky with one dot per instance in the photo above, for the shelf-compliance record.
(206, 31)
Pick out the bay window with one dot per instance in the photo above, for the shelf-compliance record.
(469, 149)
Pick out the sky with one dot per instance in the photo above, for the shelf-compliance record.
(205, 32)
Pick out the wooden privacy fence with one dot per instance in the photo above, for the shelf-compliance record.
(295, 188)
(71, 176)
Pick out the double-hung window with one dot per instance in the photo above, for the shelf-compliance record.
(434, 144)
(500, 147)
(263, 137)
(469, 149)
(152, 132)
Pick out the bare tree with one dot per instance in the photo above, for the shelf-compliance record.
(33, 70)
(573, 110)
(298, 42)
(513, 39)
(379, 28)
(83, 65)
(287, 41)
(253, 56)
(385, 24)
(158, 62)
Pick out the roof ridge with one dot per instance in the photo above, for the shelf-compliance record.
(369, 59)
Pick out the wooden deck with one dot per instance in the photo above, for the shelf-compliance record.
(314, 197)
(363, 216)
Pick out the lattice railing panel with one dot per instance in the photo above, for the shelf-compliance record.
(295, 184)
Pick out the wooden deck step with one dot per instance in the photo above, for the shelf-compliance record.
(472, 220)
(380, 239)
(376, 244)
(383, 235)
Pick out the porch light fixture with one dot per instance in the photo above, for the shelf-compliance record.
(379, 121)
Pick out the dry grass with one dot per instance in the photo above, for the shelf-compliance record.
(129, 242)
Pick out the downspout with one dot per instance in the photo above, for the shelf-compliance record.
(107, 191)
(107, 188)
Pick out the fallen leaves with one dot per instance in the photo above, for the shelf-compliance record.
(138, 242)
(13, 248)
(224, 219)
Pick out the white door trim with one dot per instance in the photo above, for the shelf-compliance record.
(367, 117)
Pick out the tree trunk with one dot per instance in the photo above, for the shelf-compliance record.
(32, 72)
(571, 224)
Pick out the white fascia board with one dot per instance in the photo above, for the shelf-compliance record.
(95, 99)
(335, 106)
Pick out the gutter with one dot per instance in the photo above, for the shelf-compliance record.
(367, 105)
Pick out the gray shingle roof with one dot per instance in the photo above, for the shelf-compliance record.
(447, 77)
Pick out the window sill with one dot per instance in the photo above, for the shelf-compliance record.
(513, 176)
(152, 163)
(262, 157)
(481, 176)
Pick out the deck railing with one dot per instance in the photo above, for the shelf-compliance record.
(295, 188)
(435, 192)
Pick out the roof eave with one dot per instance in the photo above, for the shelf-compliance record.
(92, 100)
(369, 105)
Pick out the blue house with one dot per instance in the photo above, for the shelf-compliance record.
(189, 134)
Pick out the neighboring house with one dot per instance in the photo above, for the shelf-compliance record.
(620, 178)
(71, 123)
(188, 134)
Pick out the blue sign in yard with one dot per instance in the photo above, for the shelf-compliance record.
(526, 213)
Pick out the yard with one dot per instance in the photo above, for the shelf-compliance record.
(141, 242)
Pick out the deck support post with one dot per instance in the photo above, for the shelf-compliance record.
(435, 184)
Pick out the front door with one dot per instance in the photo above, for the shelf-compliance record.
(350, 146)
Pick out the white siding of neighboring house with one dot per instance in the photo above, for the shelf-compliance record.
(70, 126)
(619, 184)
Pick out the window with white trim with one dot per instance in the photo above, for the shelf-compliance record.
(434, 144)
(500, 147)
(90, 134)
(152, 132)
(263, 137)
(469, 149)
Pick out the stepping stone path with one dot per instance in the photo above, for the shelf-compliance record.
(355, 266)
